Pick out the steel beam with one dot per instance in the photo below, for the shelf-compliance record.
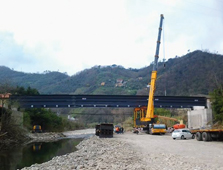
(73, 101)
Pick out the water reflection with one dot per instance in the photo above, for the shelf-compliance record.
(19, 157)
(37, 146)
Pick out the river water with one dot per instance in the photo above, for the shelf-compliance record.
(23, 156)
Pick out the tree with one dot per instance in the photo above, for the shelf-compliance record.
(217, 103)
(22, 91)
(46, 118)
(5, 114)
(5, 117)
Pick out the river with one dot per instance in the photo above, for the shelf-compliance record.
(38, 152)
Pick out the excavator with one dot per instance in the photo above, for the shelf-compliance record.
(144, 116)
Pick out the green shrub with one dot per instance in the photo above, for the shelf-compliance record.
(217, 104)
(71, 125)
(128, 124)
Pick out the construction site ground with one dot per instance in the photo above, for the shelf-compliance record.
(183, 152)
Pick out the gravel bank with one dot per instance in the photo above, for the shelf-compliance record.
(134, 152)
(96, 153)
(53, 136)
(44, 137)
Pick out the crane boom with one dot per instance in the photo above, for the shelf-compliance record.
(150, 107)
(155, 65)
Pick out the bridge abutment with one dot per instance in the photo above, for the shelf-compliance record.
(200, 117)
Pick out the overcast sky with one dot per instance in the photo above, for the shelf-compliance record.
(72, 35)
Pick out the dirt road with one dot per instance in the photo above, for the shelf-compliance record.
(188, 151)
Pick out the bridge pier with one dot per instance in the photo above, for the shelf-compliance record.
(200, 117)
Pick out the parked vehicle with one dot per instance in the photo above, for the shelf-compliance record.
(104, 130)
(208, 134)
(147, 119)
(149, 127)
(37, 129)
(182, 134)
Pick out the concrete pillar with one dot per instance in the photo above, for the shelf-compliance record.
(199, 118)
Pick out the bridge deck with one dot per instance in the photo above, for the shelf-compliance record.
(73, 101)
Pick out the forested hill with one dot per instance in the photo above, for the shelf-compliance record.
(193, 74)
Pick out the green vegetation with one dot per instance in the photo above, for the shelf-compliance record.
(169, 114)
(217, 104)
(5, 119)
(22, 91)
(11, 130)
(195, 73)
(191, 74)
(44, 117)
(128, 124)
(162, 112)
(48, 120)
(92, 116)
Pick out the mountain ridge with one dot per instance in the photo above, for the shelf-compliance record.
(192, 74)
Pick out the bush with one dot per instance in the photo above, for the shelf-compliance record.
(11, 133)
(217, 104)
(128, 124)
(27, 121)
(48, 120)
(71, 125)
(5, 118)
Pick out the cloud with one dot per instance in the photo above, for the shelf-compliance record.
(70, 36)
(21, 58)
(11, 53)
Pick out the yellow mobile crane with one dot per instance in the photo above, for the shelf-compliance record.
(151, 127)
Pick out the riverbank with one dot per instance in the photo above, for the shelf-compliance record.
(44, 137)
(96, 153)
(53, 136)
(6, 143)
(40, 148)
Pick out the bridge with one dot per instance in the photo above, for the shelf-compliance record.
(131, 101)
